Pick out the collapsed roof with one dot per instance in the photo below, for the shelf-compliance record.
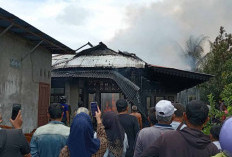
(102, 62)
(101, 56)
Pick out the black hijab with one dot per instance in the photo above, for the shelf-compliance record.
(115, 133)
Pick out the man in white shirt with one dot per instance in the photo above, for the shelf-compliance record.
(178, 123)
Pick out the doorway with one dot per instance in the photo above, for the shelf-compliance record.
(44, 94)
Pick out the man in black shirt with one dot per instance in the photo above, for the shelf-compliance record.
(129, 123)
(13, 143)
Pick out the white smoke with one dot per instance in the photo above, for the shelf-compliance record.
(156, 31)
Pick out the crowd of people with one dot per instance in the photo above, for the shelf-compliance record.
(175, 131)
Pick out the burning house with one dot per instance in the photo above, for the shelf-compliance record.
(104, 75)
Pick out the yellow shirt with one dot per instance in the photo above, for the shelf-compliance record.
(220, 155)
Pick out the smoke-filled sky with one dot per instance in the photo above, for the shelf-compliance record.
(152, 29)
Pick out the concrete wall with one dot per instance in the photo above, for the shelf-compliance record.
(72, 94)
(19, 80)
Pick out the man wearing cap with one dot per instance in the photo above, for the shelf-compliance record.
(164, 114)
(190, 141)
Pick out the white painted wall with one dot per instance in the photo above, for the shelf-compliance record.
(21, 84)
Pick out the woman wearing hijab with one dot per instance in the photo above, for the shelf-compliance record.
(116, 136)
(81, 141)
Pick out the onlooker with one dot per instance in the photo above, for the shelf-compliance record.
(66, 109)
(152, 116)
(189, 141)
(116, 136)
(137, 115)
(13, 142)
(178, 122)
(80, 105)
(49, 139)
(82, 109)
(225, 139)
(129, 123)
(81, 141)
(214, 135)
(164, 114)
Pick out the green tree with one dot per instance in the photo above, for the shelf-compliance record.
(227, 91)
(216, 115)
(218, 62)
(194, 51)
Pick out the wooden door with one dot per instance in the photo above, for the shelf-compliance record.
(44, 95)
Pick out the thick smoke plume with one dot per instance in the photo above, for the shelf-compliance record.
(156, 31)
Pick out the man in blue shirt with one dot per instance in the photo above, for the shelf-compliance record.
(49, 139)
(65, 107)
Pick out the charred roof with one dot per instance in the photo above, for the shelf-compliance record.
(101, 50)
(102, 56)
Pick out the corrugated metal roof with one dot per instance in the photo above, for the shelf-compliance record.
(102, 61)
(181, 73)
(102, 56)
(27, 31)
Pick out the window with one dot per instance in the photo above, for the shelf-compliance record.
(56, 93)
(45, 73)
(191, 97)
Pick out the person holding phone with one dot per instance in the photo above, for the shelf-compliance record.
(13, 142)
(81, 140)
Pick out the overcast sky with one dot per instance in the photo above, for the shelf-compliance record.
(152, 29)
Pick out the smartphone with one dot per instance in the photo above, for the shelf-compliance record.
(93, 108)
(15, 110)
